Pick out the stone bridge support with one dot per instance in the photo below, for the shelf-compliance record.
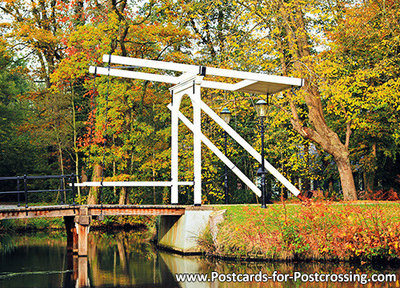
(77, 228)
(181, 233)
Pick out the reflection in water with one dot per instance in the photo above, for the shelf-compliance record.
(127, 260)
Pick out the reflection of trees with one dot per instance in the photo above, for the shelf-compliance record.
(144, 267)
(122, 254)
(121, 259)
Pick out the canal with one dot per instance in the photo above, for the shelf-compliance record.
(128, 259)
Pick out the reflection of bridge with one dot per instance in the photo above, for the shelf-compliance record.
(124, 261)
(126, 269)
(77, 219)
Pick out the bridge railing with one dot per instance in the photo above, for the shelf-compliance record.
(67, 184)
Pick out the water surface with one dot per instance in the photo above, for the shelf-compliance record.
(129, 260)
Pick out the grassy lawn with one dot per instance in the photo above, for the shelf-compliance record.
(365, 231)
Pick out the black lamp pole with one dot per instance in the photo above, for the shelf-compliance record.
(263, 186)
(226, 116)
(226, 170)
(261, 107)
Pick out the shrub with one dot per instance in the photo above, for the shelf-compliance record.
(319, 230)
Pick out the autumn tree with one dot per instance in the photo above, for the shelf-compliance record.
(19, 153)
(35, 30)
(127, 116)
(362, 75)
(291, 27)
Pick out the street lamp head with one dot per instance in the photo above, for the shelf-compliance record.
(261, 108)
(226, 115)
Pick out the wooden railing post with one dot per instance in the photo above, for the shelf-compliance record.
(82, 223)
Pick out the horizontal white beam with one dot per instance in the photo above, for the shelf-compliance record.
(131, 184)
(134, 75)
(219, 154)
(246, 146)
(243, 86)
(160, 78)
(193, 69)
(138, 62)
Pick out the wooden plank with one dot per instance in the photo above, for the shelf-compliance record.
(136, 211)
(68, 211)
(34, 213)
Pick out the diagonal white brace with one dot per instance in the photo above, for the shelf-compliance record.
(247, 147)
(219, 154)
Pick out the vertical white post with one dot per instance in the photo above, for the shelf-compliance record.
(197, 141)
(174, 149)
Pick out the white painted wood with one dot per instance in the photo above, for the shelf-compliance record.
(184, 86)
(209, 70)
(252, 82)
(163, 78)
(152, 64)
(247, 147)
(254, 76)
(132, 184)
(240, 86)
(174, 149)
(220, 155)
(135, 75)
(179, 90)
(195, 95)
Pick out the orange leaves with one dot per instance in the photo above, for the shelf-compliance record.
(330, 231)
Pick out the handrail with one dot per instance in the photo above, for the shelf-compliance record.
(25, 189)
(38, 177)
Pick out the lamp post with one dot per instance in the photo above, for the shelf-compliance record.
(261, 107)
(226, 115)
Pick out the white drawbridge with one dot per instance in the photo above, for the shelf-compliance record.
(190, 83)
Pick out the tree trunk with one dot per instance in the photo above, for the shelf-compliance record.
(317, 129)
(369, 179)
(75, 136)
(122, 196)
(321, 133)
(93, 197)
(370, 173)
(346, 179)
(62, 170)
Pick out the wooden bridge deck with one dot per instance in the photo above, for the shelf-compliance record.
(77, 218)
(13, 212)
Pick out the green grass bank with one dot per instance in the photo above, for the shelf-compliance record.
(323, 231)
(126, 223)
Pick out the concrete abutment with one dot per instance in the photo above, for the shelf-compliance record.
(181, 233)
